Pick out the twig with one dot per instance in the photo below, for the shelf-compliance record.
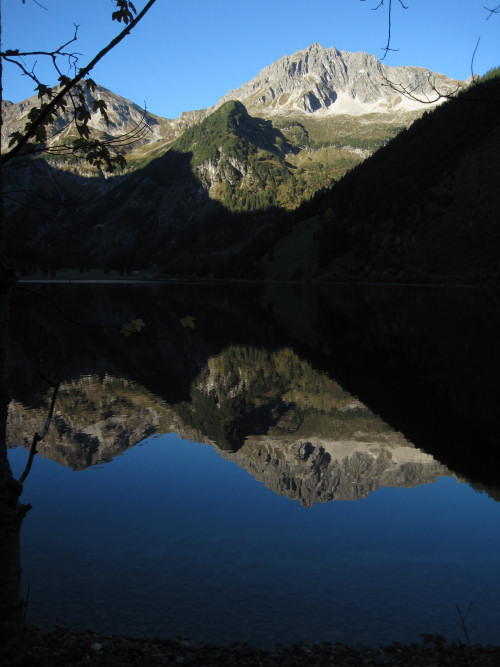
(463, 618)
(40, 436)
(387, 47)
(495, 10)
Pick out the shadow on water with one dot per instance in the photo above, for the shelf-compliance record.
(425, 360)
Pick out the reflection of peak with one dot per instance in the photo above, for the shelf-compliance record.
(292, 428)
(94, 421)
(320, 471)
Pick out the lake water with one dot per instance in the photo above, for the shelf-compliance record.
(225, 483)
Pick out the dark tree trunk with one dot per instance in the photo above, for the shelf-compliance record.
(11, 514)
(11, 511)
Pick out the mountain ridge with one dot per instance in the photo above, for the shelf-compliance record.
(313, 80)
(328, 81)
(224, 196)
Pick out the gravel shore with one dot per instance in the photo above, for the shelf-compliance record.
(62, 647)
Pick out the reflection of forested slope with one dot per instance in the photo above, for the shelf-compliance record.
(297, 430)
(422, 209)
(75, 331)
(254, 391)
(291, 427)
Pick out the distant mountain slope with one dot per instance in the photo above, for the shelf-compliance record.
(124, 119)
(236, 155)
(314, 83)
(209, 192)
(164, 215)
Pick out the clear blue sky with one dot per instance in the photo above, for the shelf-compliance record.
(186, 55)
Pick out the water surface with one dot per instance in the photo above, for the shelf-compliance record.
(230, 483)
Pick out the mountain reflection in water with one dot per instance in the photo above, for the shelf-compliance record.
(289, 426)
(263, 379)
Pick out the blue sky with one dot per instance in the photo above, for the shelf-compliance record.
(186, 55)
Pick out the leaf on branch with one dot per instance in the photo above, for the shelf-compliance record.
(125, 11)
(83, 130)
(65, 80)
(44, 91)
(82, 114)
(132, 327)
(117, 160)
(41, 134)
(15, 138)
(62, 104)
(188, 321)
(33, 114)
(91, 85)
(100, 105)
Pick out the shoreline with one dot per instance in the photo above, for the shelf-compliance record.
(242, 281)
(65, 648)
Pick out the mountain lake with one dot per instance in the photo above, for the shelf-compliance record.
(260, 463)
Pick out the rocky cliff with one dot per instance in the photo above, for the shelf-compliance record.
(327, 81)
(319, 470)
(126, 120)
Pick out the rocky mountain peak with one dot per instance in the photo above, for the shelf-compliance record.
(327, 81)
(125, 117)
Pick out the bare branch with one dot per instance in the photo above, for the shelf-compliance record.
(412, 93)
(38, 437)
(10, 55)
(56, 52)
(463, 618)
(387, 47)
(494, 10)
(472, 59)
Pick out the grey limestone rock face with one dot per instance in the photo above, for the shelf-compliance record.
(124, 118)
(324, 470)
(328, 81)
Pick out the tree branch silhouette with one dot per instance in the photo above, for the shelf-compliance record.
(48, 111)
(387, 46)
(38, 437)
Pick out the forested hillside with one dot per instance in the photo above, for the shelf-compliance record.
(424, 208)
(333, 197)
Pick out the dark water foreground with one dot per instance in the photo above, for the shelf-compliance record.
(303, 464)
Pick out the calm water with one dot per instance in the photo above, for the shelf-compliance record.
(172, 539)
(310, 516)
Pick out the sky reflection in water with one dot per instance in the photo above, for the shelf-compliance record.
(170, 538)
